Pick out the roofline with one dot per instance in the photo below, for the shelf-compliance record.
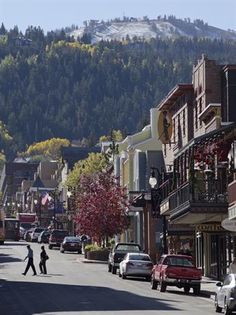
(175, 92)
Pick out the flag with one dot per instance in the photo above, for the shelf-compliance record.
(44, 199)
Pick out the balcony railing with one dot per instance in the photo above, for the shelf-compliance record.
(209, 191)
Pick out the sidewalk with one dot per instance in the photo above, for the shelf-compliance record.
(208, 286)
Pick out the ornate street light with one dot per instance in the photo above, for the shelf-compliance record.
(156, 199)
(70, 213)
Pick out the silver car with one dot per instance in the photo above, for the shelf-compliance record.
(136, 265)
(226, 295)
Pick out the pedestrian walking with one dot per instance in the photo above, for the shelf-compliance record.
(30, 263)
(43, 259)
(232, 266)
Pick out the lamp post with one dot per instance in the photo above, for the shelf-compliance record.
(156, 199)
(70, 217)
(37, 204)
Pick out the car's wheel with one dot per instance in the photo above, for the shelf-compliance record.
(186, 289)
(226, 309)
(113, 270)
(50, 246)
(109, 267)
(162, 286)
(123, 276)
(197, 290)
(217, 308)
(154, 283)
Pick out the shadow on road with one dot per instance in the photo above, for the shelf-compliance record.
(8, 243)
(5, 258)
(38, 298)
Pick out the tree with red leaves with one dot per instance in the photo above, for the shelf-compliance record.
(102, 206)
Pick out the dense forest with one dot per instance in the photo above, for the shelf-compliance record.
(54, 86)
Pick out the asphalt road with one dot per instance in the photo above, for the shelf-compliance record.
(73, 287)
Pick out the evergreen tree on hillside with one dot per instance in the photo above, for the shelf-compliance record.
(56, 87)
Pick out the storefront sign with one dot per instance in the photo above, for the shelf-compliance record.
(215, 227)
(164, 207)
(229, 225)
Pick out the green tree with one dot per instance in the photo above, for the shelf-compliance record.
(49, 148)
(95, 162)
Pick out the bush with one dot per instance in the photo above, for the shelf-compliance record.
(92, 247)
(100, 254)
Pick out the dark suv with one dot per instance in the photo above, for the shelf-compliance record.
(56, 238)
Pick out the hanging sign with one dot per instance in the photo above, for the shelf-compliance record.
(229, 225)
(164, 126)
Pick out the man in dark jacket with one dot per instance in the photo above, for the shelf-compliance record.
(30, 263)
(43, 258)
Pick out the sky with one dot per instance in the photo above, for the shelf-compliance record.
(57, 14)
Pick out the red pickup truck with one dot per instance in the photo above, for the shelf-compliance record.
(178, 271)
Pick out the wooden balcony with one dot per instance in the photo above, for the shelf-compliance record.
(203, 201)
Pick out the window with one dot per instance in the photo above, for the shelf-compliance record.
(139, 257)
(184, 126)
(130, 248)
(178, 261)
(174, 128)
(196, 118)
(200, 109)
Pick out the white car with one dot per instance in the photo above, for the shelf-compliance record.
(35, 234)
(225, 297)
(136, 265)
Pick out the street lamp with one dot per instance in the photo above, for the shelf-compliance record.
(156, 199)
(70, 215)
(37, 204)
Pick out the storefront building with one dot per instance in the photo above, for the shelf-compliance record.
(201, 137)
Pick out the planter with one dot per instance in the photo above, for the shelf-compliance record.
(101, 255)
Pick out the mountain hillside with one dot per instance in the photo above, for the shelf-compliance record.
(55, 87)
(162, 28)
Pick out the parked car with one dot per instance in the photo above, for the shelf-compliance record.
(56, 238)
(25, 227)
(178, 271)
(35, 234)
(136, 264)
(71, 244)
(22, 232)
(118, 252)
(44, 237)
(27, 235)
(225, 297)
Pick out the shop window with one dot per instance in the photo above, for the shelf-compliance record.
(184, 126)
(196, 118)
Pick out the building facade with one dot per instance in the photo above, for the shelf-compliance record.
(202, 135)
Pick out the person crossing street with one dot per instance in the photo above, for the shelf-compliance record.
(30, 263)
(43, 258)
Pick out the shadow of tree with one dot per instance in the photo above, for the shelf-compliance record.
(5, 258)
(38, 298)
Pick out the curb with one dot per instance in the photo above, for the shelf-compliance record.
(88, 261)
(208, 294)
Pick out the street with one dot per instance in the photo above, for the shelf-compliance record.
(73, 287)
